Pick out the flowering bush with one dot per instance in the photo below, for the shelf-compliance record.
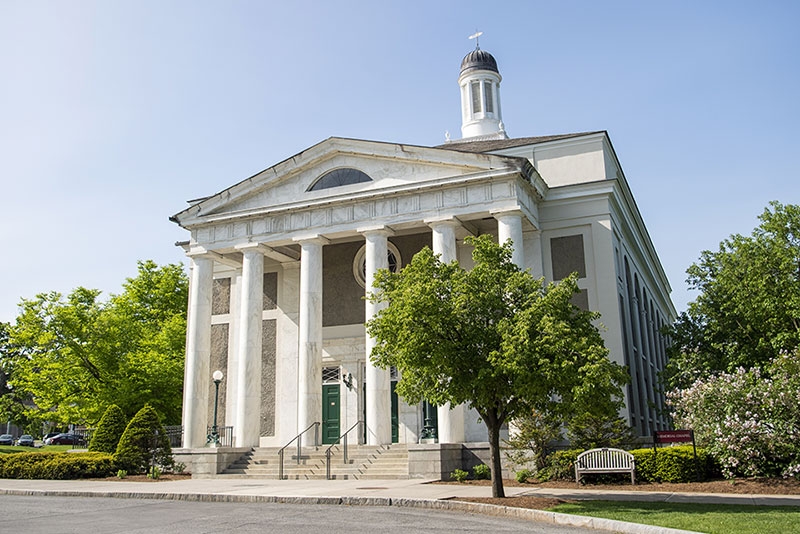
(748, 420)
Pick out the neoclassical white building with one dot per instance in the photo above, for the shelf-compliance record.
(280, 263)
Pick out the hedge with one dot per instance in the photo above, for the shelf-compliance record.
(674, 464)
(57, 465)
(668, 464)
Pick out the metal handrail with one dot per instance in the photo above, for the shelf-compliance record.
(343, 439)
(298, 437)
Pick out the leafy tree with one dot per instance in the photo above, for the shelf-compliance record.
(748, 310)
(75, 355)
(144, 439)
(109, 430)
(493, 337)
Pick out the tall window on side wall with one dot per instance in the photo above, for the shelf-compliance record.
(475, 88)
(487, 85)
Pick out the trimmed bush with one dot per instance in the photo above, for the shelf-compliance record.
(109, 431)
(559, 465)
(140, 444)
(673, 464)
(459, 475)
(523, 475)
(57, 465)
(482, 472)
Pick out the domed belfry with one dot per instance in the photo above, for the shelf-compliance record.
(481, 118)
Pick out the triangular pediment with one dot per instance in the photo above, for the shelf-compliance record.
(390, 167)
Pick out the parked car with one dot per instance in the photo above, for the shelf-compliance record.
(65, 439)
(6, 439)
(25, 440)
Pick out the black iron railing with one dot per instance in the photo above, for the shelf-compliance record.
(343, 440)
(299, 439)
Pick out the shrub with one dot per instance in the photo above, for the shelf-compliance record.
(121, 473)
(139, 444)
(109, 430)
(559, 465)
(523, 475)
(482, 472)
(673, 464)
(459, 475)
(747, 419)
(57, 465)
(533, 431)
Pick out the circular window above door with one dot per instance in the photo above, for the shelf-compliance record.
(360, 263)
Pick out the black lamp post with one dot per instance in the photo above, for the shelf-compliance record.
(213, 438)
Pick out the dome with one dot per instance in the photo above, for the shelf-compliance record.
(479, 60)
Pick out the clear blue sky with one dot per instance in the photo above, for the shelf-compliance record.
(114, 113)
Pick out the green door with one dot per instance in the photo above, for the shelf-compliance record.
(331, 413)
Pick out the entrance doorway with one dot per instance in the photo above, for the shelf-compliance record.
(331, 413)
(331, 405)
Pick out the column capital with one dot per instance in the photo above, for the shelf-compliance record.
(516, 212)
(377, 229)
(252, 247)
(202, 253)
(314, 239)
(443, 221)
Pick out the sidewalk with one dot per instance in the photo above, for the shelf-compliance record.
(417, 493)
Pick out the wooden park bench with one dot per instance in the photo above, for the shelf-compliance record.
(597, 461)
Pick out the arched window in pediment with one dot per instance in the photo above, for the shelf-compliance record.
(339, 177)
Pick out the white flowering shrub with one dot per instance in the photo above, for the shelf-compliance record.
(748, 420)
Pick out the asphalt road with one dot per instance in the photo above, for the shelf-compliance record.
(93, 515)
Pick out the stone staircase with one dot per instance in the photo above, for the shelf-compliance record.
(365, 462)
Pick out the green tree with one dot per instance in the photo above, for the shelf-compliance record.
(75, 355)
(748, 309)
(109, 430)
(493, 337)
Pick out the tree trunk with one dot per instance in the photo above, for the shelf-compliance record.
(493, 425)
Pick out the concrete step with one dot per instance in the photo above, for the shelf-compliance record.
(364, 462)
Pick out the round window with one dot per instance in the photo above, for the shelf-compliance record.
(360, 263)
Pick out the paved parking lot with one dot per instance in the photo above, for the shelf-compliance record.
(96, 515)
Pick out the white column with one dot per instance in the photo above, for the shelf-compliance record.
(379, 399)
(509, 226)
(450, 418)
(198, 353)
(247, 423)
(309, 369)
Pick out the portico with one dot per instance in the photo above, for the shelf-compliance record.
(416, 206)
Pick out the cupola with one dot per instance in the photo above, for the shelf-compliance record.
(479, 80)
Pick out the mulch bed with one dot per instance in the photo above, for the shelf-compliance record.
(753, 486)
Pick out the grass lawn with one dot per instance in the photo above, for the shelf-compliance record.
(711, 518)
(9, 449)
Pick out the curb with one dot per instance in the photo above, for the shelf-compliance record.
(526, 514)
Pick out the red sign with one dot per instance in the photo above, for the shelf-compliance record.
(673, 436)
